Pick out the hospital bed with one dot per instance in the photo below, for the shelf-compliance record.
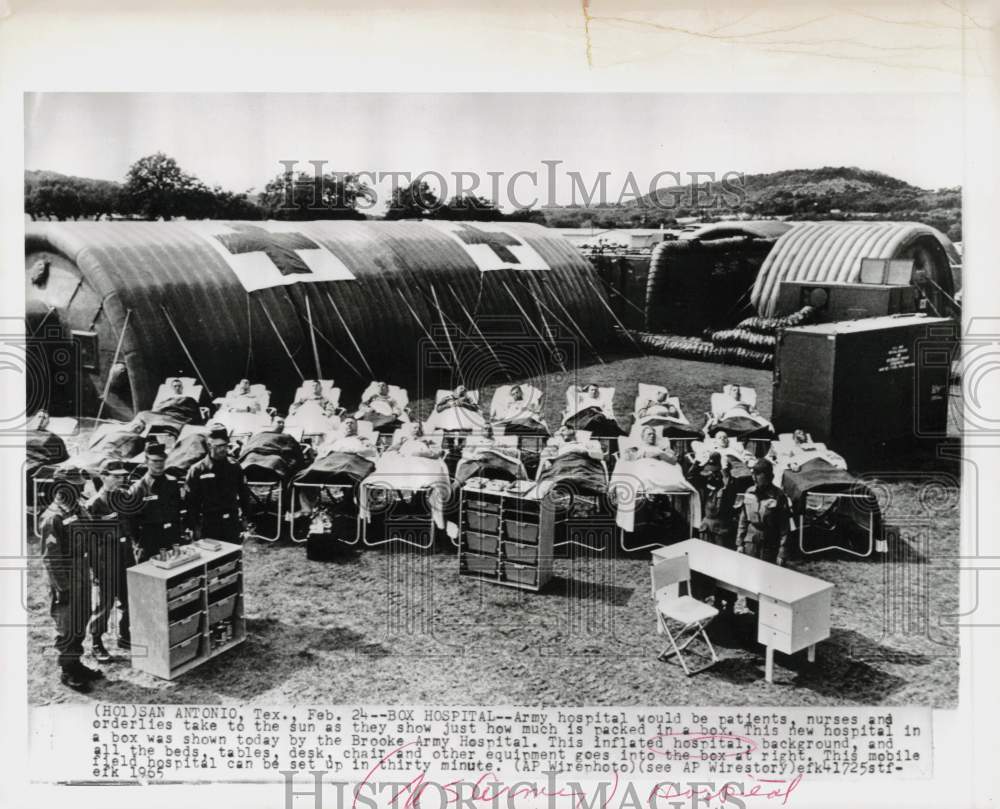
(574, 477)
(406, 496)
(325, 494)
(270, 460)
(596, 415)
(384, 418)
(834, 509)
(734, 411)
(654, 502)
(498, 458)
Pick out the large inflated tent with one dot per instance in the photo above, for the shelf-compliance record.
(833, 252)
(136, 302)
(701, 283)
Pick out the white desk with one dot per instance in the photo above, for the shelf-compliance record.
(794, 609)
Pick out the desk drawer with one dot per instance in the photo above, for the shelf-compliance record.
(776, 614)
(781, 641)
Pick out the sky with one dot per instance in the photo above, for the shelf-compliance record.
(236, 140)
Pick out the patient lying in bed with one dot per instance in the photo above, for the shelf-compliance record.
(456, 410)
(347, 440)
(313, 398)
(791, 455)
(568, 441)
(650, 467)
(729, 449)
(241, 399)
(411, 463)
(380, 401)
(659, 406)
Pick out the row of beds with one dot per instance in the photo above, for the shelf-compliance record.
(306, 483)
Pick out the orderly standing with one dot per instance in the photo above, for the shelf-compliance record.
(765, 518)
(155, 501)
(218, 500)
(110, 556)
(66, 564)
(718, 525)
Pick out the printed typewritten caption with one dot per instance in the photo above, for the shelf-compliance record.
(740, 753)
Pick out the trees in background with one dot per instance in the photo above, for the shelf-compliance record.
(333, 195)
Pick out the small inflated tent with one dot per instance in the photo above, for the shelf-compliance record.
(116, 307)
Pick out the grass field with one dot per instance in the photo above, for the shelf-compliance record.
(400, 628)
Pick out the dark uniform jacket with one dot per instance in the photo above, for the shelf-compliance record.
(720, 508)
(108, 508)
(63, 560)
(216, 493)
(155, 522)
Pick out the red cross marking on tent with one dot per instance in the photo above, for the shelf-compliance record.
(279, 247)
(497, 242)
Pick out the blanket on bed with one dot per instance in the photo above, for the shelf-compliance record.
(816, 475)
(186, 453)
(272, 454)
(742, 428)
(43, 449)
(491, 465)
(578, 470)
(337, 467)
(596, 422)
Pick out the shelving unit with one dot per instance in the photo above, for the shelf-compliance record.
(505, 536)
(172, 612)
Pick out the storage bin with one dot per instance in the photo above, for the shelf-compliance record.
(183, 601)
(222, 609)
(522, 574)
(224, 569)
(184, 628)
(222, 582)
(484, 565)
(182, 587)
(487, 506)
(185, 651)
(481, 543)
(482, 521)
(522, 554)
(522, 531)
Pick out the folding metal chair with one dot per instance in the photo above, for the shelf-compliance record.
(689, 615)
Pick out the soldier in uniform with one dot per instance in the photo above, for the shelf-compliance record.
(66, 565)
(155, 502)
(110, 557)
(217, 493)
(765, 518)
(718, 525)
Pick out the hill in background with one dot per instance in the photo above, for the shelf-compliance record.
(824, 193)
(816, 194)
